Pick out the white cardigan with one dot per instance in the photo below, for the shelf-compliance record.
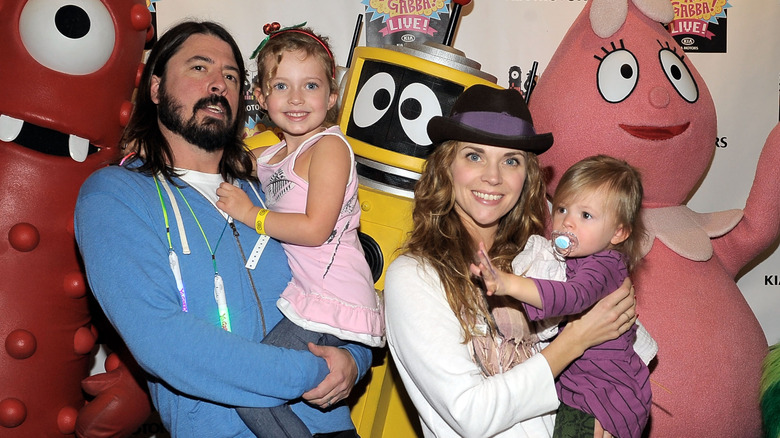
(451, 396)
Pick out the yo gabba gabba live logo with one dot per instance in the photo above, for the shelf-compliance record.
(700, 25)
(403, 21)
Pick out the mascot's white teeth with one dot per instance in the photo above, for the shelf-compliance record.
(10, 128)
(78, 148)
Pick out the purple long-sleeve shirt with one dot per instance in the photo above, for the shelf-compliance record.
(609, 381)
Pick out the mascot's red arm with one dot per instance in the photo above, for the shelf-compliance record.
(120, 405)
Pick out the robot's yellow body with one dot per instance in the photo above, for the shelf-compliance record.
(389, 96)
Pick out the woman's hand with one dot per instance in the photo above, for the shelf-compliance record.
(338, 384)
(608, 319)
(599, 432)
(612, 316)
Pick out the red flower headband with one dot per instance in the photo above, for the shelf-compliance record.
(274, 29)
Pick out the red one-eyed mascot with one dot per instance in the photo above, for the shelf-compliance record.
(69, 68)
(619, 84)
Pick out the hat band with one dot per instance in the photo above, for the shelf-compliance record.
(495, 123)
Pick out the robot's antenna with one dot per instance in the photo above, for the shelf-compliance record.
(355, 37)
(530, 82)
(454, 17)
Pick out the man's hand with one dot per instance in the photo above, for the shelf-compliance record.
(337, 385)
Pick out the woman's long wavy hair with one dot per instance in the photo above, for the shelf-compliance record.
(440, 240)
(142, 134)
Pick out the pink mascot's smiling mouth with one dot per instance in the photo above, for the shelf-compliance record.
(655, 132)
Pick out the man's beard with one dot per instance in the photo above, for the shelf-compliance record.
(211, 134)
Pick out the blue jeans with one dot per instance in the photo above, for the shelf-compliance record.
(281, 421)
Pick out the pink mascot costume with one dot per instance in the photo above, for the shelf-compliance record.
(68, 73)
(620, 85)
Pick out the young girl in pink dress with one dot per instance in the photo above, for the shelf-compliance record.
(310, 183)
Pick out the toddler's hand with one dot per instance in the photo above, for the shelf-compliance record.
(490, 277)
(234, 202)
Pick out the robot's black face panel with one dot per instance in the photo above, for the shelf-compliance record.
(393, 105)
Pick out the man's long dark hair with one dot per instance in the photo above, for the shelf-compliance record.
(143, 134)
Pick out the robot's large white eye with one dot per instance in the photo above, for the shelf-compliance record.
(514, 75)
(418, 105)
(679, 75)
(70, 36)
(373, 100)
(617, 75)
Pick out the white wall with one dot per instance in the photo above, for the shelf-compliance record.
(501, 33)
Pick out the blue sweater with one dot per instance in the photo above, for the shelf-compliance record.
(198, 371)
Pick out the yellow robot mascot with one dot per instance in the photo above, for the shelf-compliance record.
(389, 95)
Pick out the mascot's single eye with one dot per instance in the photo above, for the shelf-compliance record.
(70, 36)
(617, 75)
(418, 105)
(679, 75)
(373, 100)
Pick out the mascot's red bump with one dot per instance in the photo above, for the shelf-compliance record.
(619, 84)
(68, 72)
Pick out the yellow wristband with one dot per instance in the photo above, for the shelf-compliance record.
(260, 221)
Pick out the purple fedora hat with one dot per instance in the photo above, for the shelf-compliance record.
(490, 116)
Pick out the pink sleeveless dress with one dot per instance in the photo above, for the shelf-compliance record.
(331, 290)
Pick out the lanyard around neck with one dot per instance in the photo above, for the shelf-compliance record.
(219, 287)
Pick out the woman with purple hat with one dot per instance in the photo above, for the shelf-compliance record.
(467, 360)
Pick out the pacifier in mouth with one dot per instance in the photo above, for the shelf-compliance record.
(564, 242)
